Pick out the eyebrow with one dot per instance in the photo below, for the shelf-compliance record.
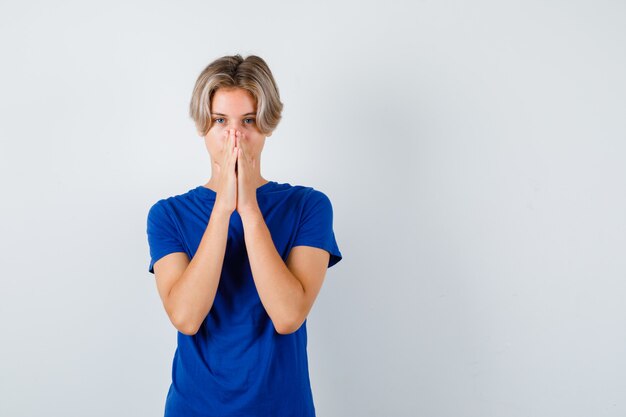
(247, 114)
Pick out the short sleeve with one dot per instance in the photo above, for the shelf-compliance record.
(163, 236)
(316, 226)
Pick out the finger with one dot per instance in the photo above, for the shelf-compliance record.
(240, 160)
(241, 156)
(243, 144)
(232, 142)
(238, 169)
(238, 137)
(233, 155)
(224, 141)
(241, 172)
(226, 149)
(228, 146)
(226, 134)
(244, 147)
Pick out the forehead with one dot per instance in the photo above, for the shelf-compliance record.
(232, 101)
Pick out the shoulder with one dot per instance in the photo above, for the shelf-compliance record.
(317, 196)
(314, 196)
(168, 205)
(159, 214)
(161, 206)
(306, 195)
(313, 201)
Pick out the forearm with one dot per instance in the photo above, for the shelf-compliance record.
(193, 294)
(281, 293)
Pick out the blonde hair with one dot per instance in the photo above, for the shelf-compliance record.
(251, 74)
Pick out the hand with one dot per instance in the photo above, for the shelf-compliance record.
(246, 189)
(226, 187)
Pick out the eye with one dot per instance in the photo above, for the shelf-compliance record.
(219, 120)
(251, 120)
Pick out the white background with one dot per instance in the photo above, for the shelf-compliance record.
(474, 153)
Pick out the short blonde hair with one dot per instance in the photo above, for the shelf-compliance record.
(251, 74)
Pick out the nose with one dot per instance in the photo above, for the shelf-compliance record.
(234, 129)
(236, 126)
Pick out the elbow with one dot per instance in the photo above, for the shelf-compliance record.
(187, 330)
(286, 327)
(186, 320)
(185, 326)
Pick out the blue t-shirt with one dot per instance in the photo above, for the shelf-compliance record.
(237, 364)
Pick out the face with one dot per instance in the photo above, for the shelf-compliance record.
(233, 108)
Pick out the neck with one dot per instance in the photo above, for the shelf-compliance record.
(258, 179)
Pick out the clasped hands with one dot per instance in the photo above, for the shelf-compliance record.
(238, 176)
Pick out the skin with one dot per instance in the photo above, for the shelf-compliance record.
(287, 289)
(235, 139)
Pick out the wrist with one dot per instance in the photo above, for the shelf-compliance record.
(251, 215)
(221, 211)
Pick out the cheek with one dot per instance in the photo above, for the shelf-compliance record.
(253, 135)
(257, 148)
(213, 145)
(217, 130)
(253, 142)
(216, 137)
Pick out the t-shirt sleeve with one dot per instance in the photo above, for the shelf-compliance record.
(163, 236)
(316, 226)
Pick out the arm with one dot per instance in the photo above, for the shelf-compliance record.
(287, 290)
(188, 289)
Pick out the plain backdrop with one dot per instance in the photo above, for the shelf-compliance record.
(474, 153)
